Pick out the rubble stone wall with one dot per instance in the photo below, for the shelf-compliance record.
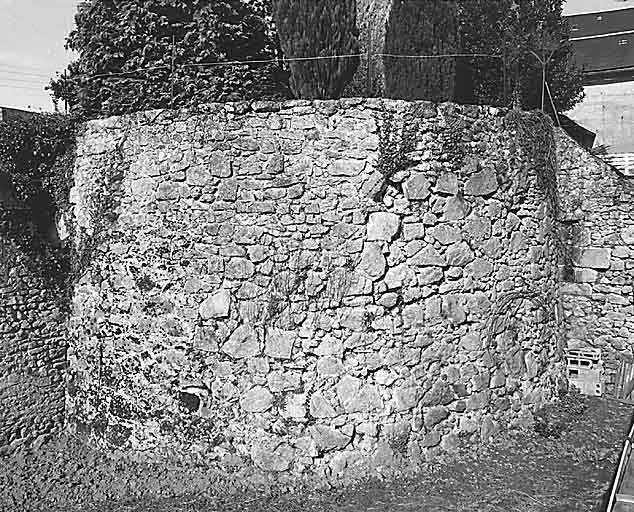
(318, 287)
(32, 346)
(598, 299)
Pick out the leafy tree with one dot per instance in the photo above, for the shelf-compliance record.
(526, 36)
(136, 55)
(310, 28)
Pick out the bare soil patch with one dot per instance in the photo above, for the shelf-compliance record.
(566, 464)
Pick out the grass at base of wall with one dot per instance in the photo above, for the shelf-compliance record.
(566, 464)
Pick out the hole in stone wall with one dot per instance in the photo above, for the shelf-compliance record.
(189, 401)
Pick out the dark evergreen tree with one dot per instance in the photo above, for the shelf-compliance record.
(318, 28)
(417, 28)
(136, 55)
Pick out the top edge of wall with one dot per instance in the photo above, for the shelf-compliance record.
(290, 106)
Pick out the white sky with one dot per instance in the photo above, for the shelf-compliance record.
(32, 35)
(584, 6)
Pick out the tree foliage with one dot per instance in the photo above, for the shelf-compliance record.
(523, 34)
(426, 27)
(318, 28)
(136, 55)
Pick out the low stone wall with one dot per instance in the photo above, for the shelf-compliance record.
(598, 207)
(32, 344)
(310, 286)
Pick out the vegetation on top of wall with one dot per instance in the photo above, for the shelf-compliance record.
(324, 28)
(523, 37)
(37, 156)
(136, 56)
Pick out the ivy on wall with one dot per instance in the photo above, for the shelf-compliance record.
(36, 172)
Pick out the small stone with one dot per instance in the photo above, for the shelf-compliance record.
(242, 343)
(471, 342)
(388, 300)
(446, 235)
(216, 306)
(447, 183)
(417, 186)
(208, 339)
(458, 255)
(435, 415)
(479, 268)
(453, 309)
(592, 257)
(220, 166)
(430, 440)
(347, 167)
(440, 394)
(429, 257)
(627, 235)
(168, 191)
(398, 276)
(272, 455)
(455, 209)
(328, 439)
(478, 400)
(279, 381)
(257, 399)
(198, 176)
(383, 226)
(430, 275)
(330, 346)
(320, 407)
(239, 268)
(477, 228)
(413, 231)
(482, 183)
(373, 263)
(329, 367)
(487, 430)
(405, 398)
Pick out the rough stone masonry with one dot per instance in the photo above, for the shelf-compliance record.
(310, 287)
(32, 339)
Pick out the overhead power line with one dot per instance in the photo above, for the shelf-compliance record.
(290, 59)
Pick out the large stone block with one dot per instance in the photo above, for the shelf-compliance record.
(417, 186)
(328, 439)
(481, 183)
(242, 343)
(372, 261)
(592, 257)
(216, 306)
(257, 399)
(279, 343)
(383, 226)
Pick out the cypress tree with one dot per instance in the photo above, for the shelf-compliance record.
(318, 28)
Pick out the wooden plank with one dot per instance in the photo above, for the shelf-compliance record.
(619, 472)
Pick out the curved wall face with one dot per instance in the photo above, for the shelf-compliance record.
(598, 297)
(309, 286)
(32, 343)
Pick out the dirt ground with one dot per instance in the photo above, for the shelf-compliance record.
(566, 465)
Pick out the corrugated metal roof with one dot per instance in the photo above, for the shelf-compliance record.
(573, 7)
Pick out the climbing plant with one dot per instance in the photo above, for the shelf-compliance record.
(36, 163)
